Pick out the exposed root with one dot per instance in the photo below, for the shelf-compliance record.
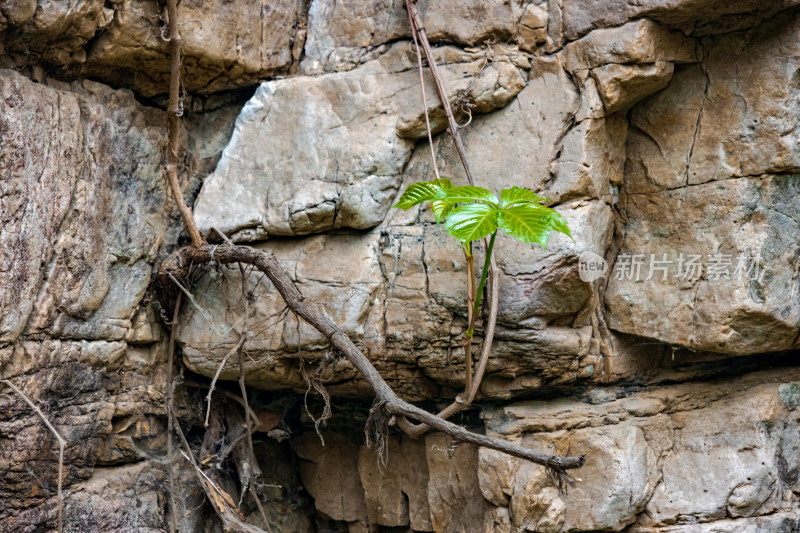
(315, 382)
(179, 263)
(376, 431)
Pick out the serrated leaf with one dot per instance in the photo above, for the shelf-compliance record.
(440, 208)
(471, 222)
(419, 192)
(519, 195)
(470, 193)
(530, 222)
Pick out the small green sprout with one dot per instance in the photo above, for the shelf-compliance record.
(471, 213)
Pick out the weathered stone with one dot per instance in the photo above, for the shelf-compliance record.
(454, 498)
(342, 34)
(55, 30)
(532, 28)
(739, 302)
(128, 498)
(89, 267)
(538, 282)
(699, 17)
(396, 492)
(97, 395)
(743, 446)
(621, 86)
(479, 88)
(692, 433)
(590, 161)
(330, 474)
(780, 522)
(37, 185)
(717, 120)
(642, 41)
(350, 169)
(225, 45)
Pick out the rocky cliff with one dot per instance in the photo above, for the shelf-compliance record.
(659, 341)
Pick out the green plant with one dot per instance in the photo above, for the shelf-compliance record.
(471, 213)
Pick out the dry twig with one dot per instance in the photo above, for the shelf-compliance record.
(170, 398)
(173, 117)
(61, 444)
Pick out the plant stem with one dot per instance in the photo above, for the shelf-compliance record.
(484, 273)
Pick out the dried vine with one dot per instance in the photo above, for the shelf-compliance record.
(472, 381)
(388, 406)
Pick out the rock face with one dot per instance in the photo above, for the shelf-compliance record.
(658, 341)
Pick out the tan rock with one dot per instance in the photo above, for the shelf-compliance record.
(718, 121)
(350, 169)
(330, 474)
(698, 17)
(396, 492)
(342, 34)
(37, 187)
(621, 86)
(225, 45)
(477, 87)
(79, 272)
(532, 27)
(591, 160)
(736, 300)
(56, 31)
(454, 498)
(641, 41)
(686, 453)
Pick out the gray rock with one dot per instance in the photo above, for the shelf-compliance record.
(349, 168)
(82, 271)
(699, 17)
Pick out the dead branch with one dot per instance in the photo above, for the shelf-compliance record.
(170, 398)
(178, 264)
(233, 350)
(235, 397)
(472, 382)
(61, 444)
(174, 112)
(255, 469)
(224, 506)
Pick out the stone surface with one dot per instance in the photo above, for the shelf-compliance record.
(699, 17)
(679, 454)
(642, 41)
(343, 34)
(81, 273)
(56, 30)
(654, 127)
(352, 158)
(330, 474)
(717, 120)
(718, 169)
(225, 45)
(737, 300)
(621, 86)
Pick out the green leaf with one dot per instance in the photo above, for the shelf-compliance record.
(419, 192)
(519, 195)
(440, 208)
(531, 222)
(469, 193)
(471, 222)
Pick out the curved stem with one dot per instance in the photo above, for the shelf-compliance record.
(479, 294)
(179, 262)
